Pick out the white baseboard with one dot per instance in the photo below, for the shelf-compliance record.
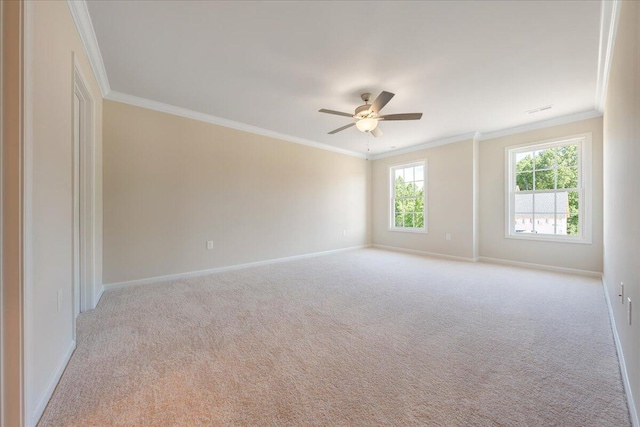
(98, 296)
(623, 366)
(540, 266)
(198, 273)
(424, 253)
(46, 394)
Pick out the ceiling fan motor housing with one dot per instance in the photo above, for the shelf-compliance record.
(363, 110)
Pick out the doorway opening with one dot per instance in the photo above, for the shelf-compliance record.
(83, 197)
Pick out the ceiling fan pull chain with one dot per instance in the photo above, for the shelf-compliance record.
(367, 143)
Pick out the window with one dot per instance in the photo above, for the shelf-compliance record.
(548, 195)
(408, 197)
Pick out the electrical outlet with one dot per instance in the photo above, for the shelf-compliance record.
(621, 293)
(59, 300)
(447, 236)
(629, 311)
(210, 244)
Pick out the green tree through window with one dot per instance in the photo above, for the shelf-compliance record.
(408, 191)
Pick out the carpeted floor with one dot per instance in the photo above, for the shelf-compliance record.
(363, 338)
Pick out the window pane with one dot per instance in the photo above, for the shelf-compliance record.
(419, 187)
(544, 204)
(411, 189)
(524, 203)
(562, 212)
(419, 221)
(419, 206)
(545, 180)
(400, 188)
(573, 225)
(546, 159)
(568, 178)
(399, 174)
(574, 202)
(524, 162)
(419, 173)
(409, 205)
(567, 156)
(524, 181)
(524, 223)
(408, 175)
(399, 221)
(397, 207)
(408, 220)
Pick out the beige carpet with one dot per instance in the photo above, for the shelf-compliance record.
(363, 338)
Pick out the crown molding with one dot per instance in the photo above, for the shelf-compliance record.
(208, 118)
(610, 12)
(82, 20)
(478, 136)
(424, 146)
(586, 115)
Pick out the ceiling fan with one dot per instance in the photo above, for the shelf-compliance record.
(368, 115)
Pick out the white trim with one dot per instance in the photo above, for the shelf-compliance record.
(208, 118)
(198, 273)
(82, 20)
(87, 190)
(27, 212)
(540, 267)
(542, 124)
(46, 394)
(586, 115)
(610, 13)
(98, 296)
(424, 253)
(2, 392)
(584, 188)
(426, 145)
(476, 195)
(633, 413)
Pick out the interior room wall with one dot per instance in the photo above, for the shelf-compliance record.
(493, 244)
(11, 402)
(621, 195)
(450, 198)
(171, 184)
(54, 39)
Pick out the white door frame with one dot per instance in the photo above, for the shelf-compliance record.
(86, 193)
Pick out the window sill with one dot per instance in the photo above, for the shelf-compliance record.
(549, 238)
(409, 230)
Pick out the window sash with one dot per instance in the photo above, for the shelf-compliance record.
(580, 142)
(394, 197)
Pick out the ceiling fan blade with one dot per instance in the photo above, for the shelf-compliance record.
(377, 132)
(406, 116)
(342, 128)
(337, 113)
(381, 101)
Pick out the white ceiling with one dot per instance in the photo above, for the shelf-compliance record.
(468, 66)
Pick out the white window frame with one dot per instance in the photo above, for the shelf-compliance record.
(392, 168)
(584, 188)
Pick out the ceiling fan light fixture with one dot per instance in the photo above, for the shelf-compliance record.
(366, 124)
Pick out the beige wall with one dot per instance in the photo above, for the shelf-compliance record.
(54, 39)
(493, 243)
(621, 177)
(11, 296)
(171, 184)
(449, 201)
